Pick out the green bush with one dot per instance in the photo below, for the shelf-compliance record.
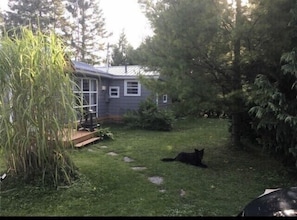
(150, 117)
(105, 134)
(131, 119)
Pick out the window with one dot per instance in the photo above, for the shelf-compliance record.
(86, 92)
(164, 98)
(114, 92)
(132, 88)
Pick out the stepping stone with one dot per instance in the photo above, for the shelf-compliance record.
(162, 190)
(128, 160)
(112, 154)
(182, 193)
(156, 180)
(90, 150)
(138, 168)
(103, 147)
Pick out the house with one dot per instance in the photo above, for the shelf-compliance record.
(111, 91)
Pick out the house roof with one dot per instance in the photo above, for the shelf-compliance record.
(85, 68)
(116, 72)
(129, 70)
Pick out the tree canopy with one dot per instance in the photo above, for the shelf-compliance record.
(80, 23)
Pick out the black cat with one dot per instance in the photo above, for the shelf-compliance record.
(194, 158)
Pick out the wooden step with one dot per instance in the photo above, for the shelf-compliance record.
(81, 136)
(88, 141)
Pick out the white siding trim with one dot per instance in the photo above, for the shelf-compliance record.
(131, 88)
(165, 98)
(114, 94)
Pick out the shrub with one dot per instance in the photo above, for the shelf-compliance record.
(131, 119)
(150, 117)
(105, 134)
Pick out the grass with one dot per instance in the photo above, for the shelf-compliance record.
(109, 187)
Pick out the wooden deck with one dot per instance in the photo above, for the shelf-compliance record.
(81, 138)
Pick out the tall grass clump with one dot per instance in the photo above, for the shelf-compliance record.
(35, 106)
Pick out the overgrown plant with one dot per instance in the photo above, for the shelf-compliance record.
(35, 107)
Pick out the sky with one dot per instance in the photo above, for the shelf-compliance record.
(125, 15)
(120, 15)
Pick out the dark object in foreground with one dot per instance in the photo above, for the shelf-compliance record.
(194, 158)
(279, 202)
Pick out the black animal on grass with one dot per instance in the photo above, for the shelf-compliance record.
(194, 158)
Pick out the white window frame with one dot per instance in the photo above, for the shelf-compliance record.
(126, 88)
(165, 98)
(90, 93)
(111, 95)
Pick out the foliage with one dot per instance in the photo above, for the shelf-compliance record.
(105, 134)
(132, 119)
(45, 15)
(193, 49)
(209, 53)
(36, 104)
(274, 95)
(149, 116)
(122, 52)
(80, 23)
(275, 111)
(88, 30)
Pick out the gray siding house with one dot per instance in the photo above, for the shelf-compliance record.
(112, 91)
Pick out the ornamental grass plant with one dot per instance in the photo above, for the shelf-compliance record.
(36, 102)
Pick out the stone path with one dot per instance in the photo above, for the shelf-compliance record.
(128, 160)
(138, 168)
(112, 154)
(103, 147)
(153, 179)
(156, 180)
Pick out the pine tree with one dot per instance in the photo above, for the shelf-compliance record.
(89, 33)
(189, 50)
(62, 22)
(79, 22)
(45, 15)
(119, 51)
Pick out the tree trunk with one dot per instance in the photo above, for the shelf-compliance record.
(236, 82)
(235, 133)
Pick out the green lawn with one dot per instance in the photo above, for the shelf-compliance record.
(109, 187)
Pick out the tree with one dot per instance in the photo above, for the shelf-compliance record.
(194, 48)
(175, 53)
(36, 104)
(119, 51)
(210, 53)
(122, 52)
(236, 76)
(38, 15)
(89, 30)
(79, 22)
(274, 92)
